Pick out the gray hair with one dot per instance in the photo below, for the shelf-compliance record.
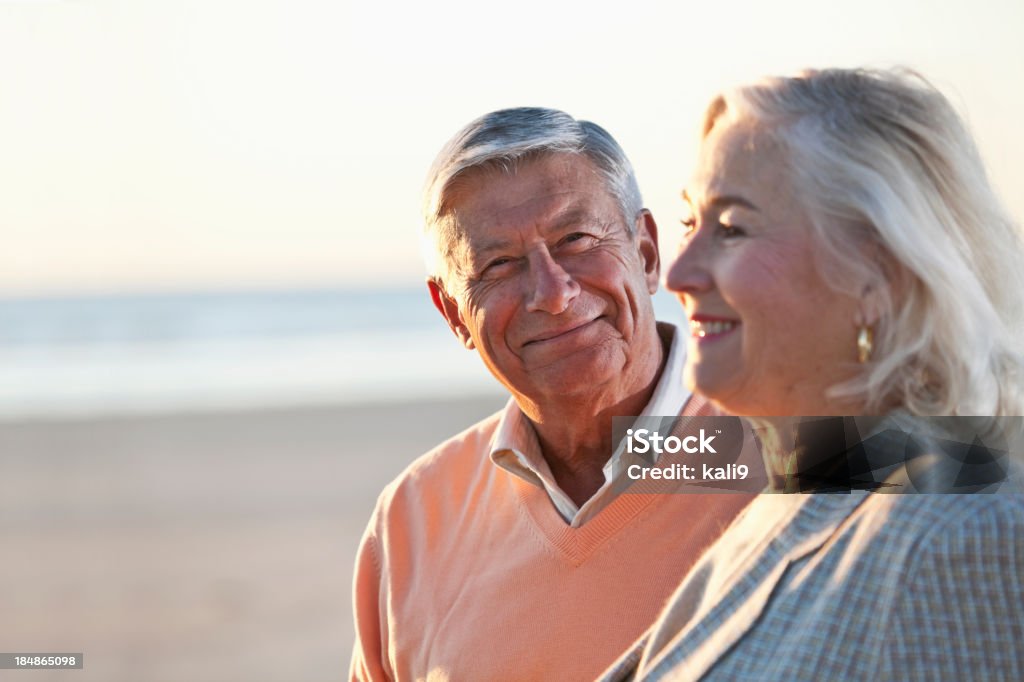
(504, 139)
(897, 193)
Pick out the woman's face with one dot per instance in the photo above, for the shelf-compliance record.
(767, 334)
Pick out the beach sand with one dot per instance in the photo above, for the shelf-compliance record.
(198, 547)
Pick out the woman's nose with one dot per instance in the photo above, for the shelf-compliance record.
(688, 272)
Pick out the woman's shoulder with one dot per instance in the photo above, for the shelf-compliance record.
(930, 522)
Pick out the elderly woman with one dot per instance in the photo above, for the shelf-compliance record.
(844, 254)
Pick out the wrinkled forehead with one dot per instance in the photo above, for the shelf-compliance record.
(542, 194)
(519, 180)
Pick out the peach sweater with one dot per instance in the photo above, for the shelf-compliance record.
(467, 572)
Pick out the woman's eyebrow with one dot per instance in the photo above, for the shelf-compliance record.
(723, 201)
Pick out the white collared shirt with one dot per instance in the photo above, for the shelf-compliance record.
(515, 447)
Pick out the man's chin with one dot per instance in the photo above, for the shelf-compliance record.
(586, 371)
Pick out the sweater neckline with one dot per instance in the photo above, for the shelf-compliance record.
(577, 544)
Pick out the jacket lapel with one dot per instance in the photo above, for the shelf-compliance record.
(727, 591)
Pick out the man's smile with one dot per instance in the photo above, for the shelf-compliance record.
(565, 332)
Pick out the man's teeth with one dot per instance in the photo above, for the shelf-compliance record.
(702, 329)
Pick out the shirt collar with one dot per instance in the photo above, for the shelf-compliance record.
(669, 393)
(516, 449)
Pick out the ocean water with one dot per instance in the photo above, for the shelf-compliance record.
(84, 356)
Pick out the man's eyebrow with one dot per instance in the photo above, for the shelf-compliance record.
(573, 216)
(724, 201)
(485, 248)
(563, 221)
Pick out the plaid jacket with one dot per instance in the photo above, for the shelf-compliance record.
(856, 586)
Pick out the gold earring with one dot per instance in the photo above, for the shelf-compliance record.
(865, 344)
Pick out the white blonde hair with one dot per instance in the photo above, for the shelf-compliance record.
(898, 195)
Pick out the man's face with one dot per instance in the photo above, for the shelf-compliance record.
(547, 282)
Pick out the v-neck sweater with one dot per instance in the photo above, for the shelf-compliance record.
(467, 572)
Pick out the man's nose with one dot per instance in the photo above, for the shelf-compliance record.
(688, 272)
(552, 288)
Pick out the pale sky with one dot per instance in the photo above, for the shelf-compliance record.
(154, 144)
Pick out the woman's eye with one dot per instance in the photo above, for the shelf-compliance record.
(730, 231)
(689, 226)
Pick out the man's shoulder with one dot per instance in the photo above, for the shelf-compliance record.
(464, 450)
(445, 469)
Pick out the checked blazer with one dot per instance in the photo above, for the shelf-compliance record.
(849, 586)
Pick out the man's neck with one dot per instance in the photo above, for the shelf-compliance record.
(575, 432)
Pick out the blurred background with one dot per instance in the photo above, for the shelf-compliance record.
(215, 343)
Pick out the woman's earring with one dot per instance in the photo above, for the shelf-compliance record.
(865, 344)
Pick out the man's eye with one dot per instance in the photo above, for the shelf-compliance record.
(575, 237)
(496, 266)
(689, 226)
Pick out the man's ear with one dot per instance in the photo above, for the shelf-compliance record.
(449, 309)
(647, 236)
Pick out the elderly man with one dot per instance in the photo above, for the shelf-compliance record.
(508, 552)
